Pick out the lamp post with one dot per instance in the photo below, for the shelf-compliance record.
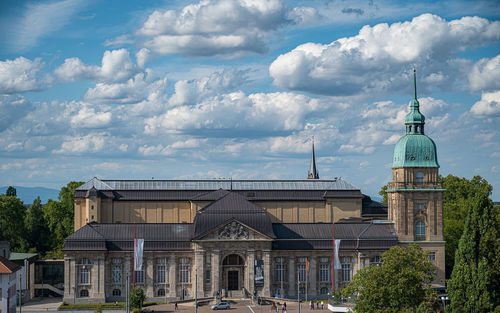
(74, 294)
(282, 274)
(196, 290)
(444, 299)
(298, 290)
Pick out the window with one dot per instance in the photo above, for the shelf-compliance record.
(184, 273)
(420, 230)
(324, 260)
(91, 207)
(419, 178)
(84, 270)
(324, 273)
(302, 260)
(376, 260)
(208, 277)
(323, 291)
(346, 269)
(139, 277)
(420, 206)
(280, 272)
(116, 274)
(84, 293)
(117, 292)
(432, 256)
(161, 292)
(161, 274)
(302, 272)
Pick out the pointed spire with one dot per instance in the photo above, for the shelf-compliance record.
(414, 120)
(313, 173)
(415, 84)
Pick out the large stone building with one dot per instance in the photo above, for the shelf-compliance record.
(241, 236)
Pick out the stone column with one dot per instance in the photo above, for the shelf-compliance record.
(172, 277)
(292, 286)
(215, 271)
(68, 288)
(102, 277)
(149, 277)
(267, 273)
(251, 270)
(199, 268)
(313, 289)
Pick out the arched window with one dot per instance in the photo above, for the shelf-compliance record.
(419, 177)
(233, 259)
(161, 292)
(117, 292)
(323, 291)
(420, 230)
(84, 293)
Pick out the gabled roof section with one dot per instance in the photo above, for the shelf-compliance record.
(88, 232)
(8, 267)
(232, 206)
(95, 183)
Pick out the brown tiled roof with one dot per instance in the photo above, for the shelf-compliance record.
(8, 267)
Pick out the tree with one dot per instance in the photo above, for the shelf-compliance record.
(12, 213)
(37, 232)
(474, 283)
(456, 202)
(59, 216)
(401, 284)
(137, 297)
(383, 193)
(11, 191)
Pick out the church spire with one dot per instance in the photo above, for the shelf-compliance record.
(414, 120)
(313, 173)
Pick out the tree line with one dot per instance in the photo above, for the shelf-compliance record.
(38, 228)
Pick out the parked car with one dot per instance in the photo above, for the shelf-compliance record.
(222, 305)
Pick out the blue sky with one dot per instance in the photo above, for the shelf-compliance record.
(211, 89)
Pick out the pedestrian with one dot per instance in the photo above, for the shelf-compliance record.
(284, 304)
(317, 304)
(322, 305)
(175, 306)
(312, 305)
(273, 307)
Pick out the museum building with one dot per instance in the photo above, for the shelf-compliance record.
(238, 237)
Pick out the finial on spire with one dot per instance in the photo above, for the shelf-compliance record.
(414, 84)
(313, 173)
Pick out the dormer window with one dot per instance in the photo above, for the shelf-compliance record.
(419, 178)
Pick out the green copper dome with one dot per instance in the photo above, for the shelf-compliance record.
(415, 149)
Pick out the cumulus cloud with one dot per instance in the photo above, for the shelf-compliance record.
(378, 59)
(87, 117)
(488, 106)
(20, 75)
(272, 111)
(485, 74)
(12, 108)
(219, 27)
(152, 150)
(90, 143)
(116, 66)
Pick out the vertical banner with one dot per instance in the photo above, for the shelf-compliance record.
(307, 267)
(338, 266)
(138, 252)
(259, 273)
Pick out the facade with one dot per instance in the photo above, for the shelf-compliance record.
(240, 237)
(8, 285)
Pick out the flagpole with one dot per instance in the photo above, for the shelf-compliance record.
(333, 262)
(307, 275)
(133, 272)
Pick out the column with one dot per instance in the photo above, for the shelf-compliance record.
(68, 288)
(267, 273)
(313, 290)
(251, 270)
(172, 277)
(198, 270)
(292, 286)
(215, 271)
(102, 279)
(149, 276)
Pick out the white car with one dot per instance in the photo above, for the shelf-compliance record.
(222, 305)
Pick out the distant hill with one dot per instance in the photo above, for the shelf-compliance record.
(28, 194)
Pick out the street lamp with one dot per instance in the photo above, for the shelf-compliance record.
(444, 299)
(74, 294)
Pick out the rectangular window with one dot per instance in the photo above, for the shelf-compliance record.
(376, 260)
(432, 256)
(324, 260)
(346, 272)
(84, 275)
(139, 277)
(208, 277)
(116, 274)
(184, 273)
(161, 274)
(302, 272)
(280, 272)
(324, 273)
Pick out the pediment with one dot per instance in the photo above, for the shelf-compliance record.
(233, 230)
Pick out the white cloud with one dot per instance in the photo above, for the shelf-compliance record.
(87, 117)
(219, 27)
(488, 106)
(12, 108)
(20, 75)
(92, 142)
(272, 111)
(39, 20)
(378, 60)
(116, 66)
(142, 57)
(485, 74)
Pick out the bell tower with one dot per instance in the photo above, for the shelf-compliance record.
(415, 195)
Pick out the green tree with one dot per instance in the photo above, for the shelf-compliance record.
(37, 233)
(59, 216)
(137, 297)
(12, 213)
(383, 193)
(456, 202)
(401, 284)
(475, 281)
(11, 191)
